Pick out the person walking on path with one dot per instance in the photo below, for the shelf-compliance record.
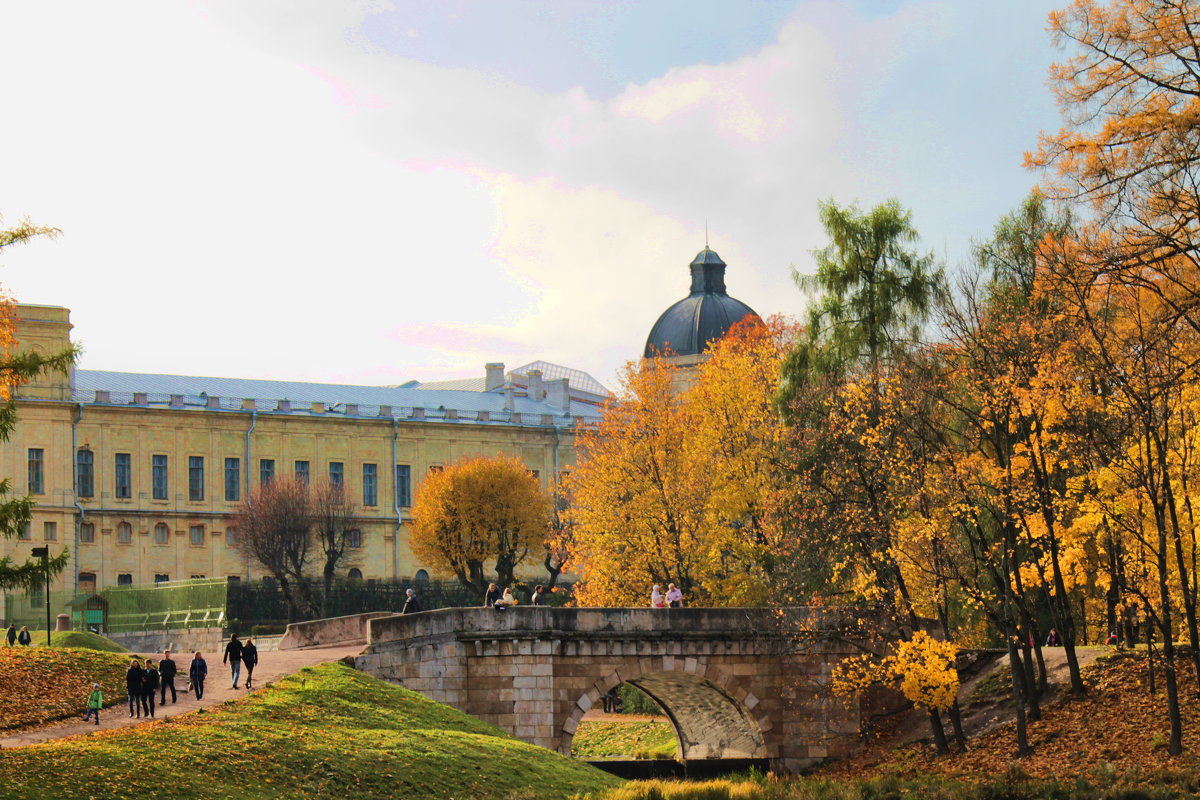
(674, 596)
(149, 686)
(250, 659)
(133, 687)
(233, 657)
(411, 604)
(197, 672)
(12, 635)
(167, 670)
(23, 637)
(95, 702)
(493, 594)
(538, 598)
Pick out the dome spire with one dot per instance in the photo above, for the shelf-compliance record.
(706, 314)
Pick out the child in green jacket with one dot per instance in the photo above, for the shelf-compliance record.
(95, 702)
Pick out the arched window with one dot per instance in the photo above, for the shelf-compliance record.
(422, 576)
(161, 533)
(87, 581)
(355, 574)
(124, 533)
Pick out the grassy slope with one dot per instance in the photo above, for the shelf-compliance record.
(326, 732)
(638, 739)
(40, 684)
(85, 639)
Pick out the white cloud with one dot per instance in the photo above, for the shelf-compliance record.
(249, 189)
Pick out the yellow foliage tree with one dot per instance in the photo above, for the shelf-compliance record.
(480, 511)
(672, 486)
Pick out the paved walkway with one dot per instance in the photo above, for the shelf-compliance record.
(217, 689)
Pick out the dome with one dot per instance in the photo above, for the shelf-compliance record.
(703, 316)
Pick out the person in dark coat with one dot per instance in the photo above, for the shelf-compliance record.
(233, 657)
(411, 604)
(197, 672)
(250, 659)
(538, 598)
(166, 673)
(149, 687)
(493, 594)
(24, 637)
(133, 687)
(12, 635)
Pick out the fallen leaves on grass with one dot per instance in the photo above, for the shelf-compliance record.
(41, 685)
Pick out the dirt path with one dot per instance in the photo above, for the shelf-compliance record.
(217, 689)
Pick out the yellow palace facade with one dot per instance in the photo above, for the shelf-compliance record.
(140, 476)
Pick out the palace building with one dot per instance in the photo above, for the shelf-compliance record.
(140, 476)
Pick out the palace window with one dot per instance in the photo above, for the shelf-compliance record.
(50, 531)
(354, 539)
(161, 577)
(403, 485)
(85, 485)
(162, 534)
(231, 537)
(196, 532)
(122, 476)
(124, 533)
(266, 470)
(87, 532)
(124, 579)
(370, 485)
(355, 574)
(26, 532)
(233, 480)
(302, 472)
(337, 472)
(158, 476)
(37, 466)
(87, 581)
(195, 477)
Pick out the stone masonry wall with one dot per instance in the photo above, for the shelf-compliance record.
(733, 681)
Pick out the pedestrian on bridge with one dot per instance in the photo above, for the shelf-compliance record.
(656, 597)
(411, 604)
(233, 657)
(674, 596)
(492, 595)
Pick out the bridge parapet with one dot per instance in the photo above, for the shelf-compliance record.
(735, 682)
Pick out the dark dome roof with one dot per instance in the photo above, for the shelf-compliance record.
(706, 314)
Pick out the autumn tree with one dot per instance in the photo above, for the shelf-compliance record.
(18, 367)
(673, 485)
(332, 520)
(479, 512)
(275, 525)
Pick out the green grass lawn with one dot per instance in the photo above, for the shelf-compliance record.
(326, 732)
(636, 739)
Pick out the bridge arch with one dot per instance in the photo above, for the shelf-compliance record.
(712, 713)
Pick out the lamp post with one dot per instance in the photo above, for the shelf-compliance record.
(44, 552)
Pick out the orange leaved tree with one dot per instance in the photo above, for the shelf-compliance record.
(480, 511)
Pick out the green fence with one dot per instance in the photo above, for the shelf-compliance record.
(218, 602)
(196, 603)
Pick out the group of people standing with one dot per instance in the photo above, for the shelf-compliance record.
(500, 600)
(143, 680)
(672, 599)
(23, 638)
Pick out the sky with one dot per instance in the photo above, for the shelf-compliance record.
(373, 192)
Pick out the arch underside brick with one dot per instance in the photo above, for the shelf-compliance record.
(713, 716)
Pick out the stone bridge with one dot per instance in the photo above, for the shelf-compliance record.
(734, 682)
